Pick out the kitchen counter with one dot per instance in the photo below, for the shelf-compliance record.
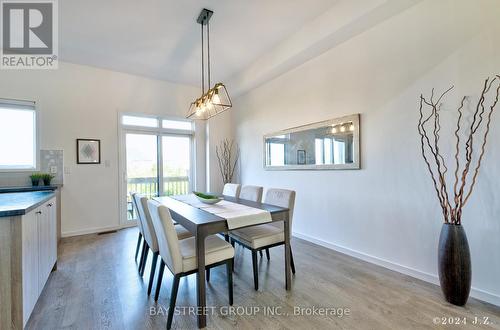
(26, 188)
(20, 203)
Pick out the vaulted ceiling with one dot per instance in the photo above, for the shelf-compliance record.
(161, 39)
(252, 41)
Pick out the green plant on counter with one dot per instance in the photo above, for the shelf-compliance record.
(35, 178)
(47, 178)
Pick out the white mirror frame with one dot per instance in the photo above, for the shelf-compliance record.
(355, 165)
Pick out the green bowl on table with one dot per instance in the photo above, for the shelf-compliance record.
(207, 199)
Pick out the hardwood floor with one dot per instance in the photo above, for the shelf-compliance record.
(97, 286)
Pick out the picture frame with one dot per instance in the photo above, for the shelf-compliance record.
(301, 157)
(88, 151)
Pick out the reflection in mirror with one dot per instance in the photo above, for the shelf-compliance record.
(331, 144)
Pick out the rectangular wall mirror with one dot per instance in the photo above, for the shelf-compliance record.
(328, 145)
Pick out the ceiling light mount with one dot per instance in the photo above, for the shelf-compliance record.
(205, 16)
(216, 99)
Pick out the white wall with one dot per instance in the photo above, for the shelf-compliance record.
(218, 128)
(83, 102)
(387, 212)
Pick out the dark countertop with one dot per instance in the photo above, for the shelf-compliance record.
(20, 203)
(28, 188)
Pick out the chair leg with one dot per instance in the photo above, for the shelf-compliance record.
(260, 253)
(141, 262)
(152, 273)
(267, 254)
(229, 270)
(232, 242)
(139, 238)
(255, 271)
(226, 237)
(208, 274)
(292, 264)
(160, 277)
(146, 253)
(173, 297)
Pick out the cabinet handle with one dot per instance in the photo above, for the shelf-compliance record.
(38, 212)
(50, 205)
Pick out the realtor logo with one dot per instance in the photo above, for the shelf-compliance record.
(29, 34)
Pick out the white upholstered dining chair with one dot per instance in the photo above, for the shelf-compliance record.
(180, 255)
(263, 237)
(232, 190)
(150, 239)
(139, 225)
(251, 193)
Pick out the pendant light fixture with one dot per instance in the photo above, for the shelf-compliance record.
(215, 99)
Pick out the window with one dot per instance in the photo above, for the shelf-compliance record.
(18, 135)
(157, 158)
(140, 121)
(319, 151)
(276, 154)
(177, 124)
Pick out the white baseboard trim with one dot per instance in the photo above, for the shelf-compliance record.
(431, 278)
(96, 230)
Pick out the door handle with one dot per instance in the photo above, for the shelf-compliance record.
(38, 212)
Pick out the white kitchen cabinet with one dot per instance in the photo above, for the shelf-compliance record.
(28, 253)
(39, 253)
(47, 239)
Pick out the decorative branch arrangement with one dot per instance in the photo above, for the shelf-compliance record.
(476, 133)
(227, 165)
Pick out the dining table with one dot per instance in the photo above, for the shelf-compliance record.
(203, 224)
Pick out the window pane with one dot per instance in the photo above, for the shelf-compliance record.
(17, 139)
(277, 154)
(339, 150)
(328, 151)
(177, 124)
(176, 165)
(319, 151)
(142, 168)
(140, 121)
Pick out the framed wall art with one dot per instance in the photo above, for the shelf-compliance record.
(88, 151)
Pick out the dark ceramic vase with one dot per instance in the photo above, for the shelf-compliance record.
(454, 264)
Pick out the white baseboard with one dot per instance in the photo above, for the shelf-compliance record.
(431, 278)
(96, 230)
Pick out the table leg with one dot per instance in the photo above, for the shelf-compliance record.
(200, 278)
(287, 253)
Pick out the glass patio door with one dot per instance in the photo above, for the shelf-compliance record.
(176, 167)
(156, 159)
(142, 167)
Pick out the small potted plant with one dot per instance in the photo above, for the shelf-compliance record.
(35, 179)
(47, 178)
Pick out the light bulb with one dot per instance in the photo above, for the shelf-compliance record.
(216, 98)
(342, 128)
(334, 130)
(351, 128)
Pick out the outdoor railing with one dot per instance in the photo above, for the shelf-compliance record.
(149, 187)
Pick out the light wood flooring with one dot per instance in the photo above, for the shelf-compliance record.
(97, 286)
